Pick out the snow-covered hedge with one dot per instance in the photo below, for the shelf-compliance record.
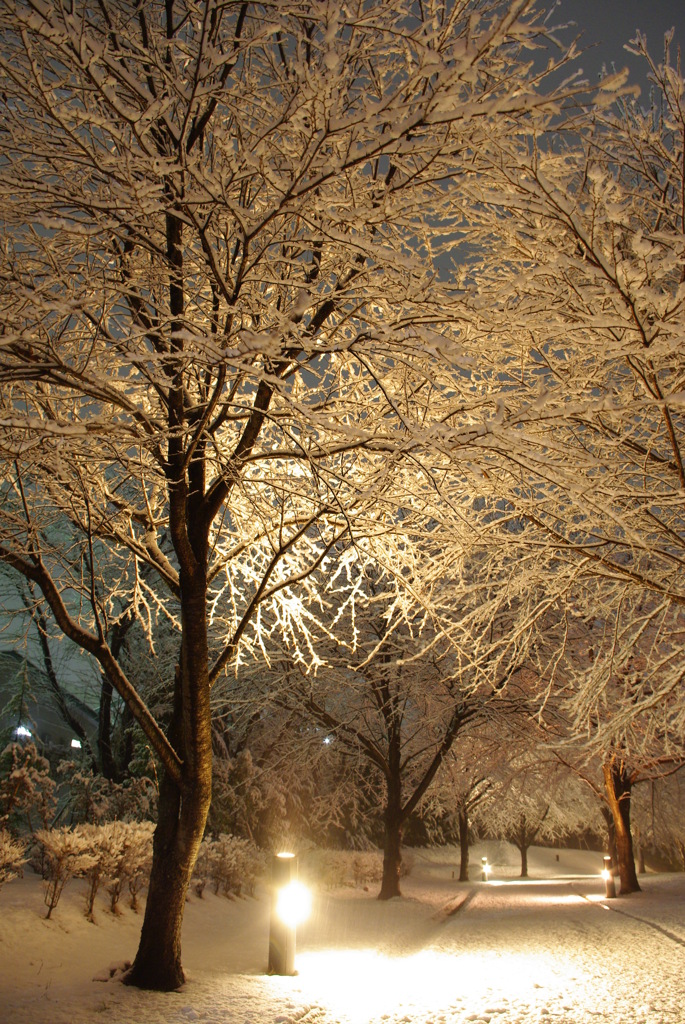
(229, 865)
(89, 797)
(11, 856)
(117, 854)
(335, 869)
(65, 853)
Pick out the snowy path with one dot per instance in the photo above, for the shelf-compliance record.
(521, 952)
(554, 951)
(540, 952)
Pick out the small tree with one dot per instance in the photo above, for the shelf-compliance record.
(65, 853)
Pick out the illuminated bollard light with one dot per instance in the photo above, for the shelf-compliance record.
(608, 876)
(290, 905)
(484, 869)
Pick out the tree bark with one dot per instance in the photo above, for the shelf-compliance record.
(523, 850)
(611, 833)
(392, 840)
(463, 844)
(618, 787)
(522, 839)
(183, 806)
(178, 835)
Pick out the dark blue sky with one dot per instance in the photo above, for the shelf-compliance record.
(611, 23)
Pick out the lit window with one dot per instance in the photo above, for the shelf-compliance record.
(76, 744)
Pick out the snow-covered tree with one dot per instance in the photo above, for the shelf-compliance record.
(598, 719)
(466, 782)
(538, 800)
(222, 327)
(659, 819)
(588, 230)
(27, 792)
(406, 673)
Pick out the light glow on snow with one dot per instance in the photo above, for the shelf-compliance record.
(498, 956)
(358, 986)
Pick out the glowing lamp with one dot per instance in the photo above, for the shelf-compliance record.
(291, 904)
(608, 876)
(484, 869)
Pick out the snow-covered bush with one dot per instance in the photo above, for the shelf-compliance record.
(325, 869)
(65, 853)
(87, 797)
(133, 867)
(133, 800)
(229, 864)
(367, 867)
(105, 843)
(27, 793)
(93, 798)
(11, 856)
(333, 869)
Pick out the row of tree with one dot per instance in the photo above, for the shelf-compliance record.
(340, 355)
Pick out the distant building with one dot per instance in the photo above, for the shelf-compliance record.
(30, 710)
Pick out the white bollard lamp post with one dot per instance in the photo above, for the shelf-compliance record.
(608, 876)
(290, 905)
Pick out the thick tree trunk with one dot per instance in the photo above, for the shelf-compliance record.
(392, 841)
(618, 787)
(183, 805)
(179, 832)
(463, 844)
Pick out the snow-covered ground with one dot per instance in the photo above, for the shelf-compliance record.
(508, 952)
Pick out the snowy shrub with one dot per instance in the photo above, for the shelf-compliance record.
(367, 867)
(65, 853)
(88, 798)
(136, 858)
(94, 799)
(11, 857)
(105, 844)
(134, 799)
(27, 793)
(325, 869)
(229, 864)
(333, 869)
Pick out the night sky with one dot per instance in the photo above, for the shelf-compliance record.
(611, 23)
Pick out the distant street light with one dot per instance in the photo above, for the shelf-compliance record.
(484, 869)
(290, 905)
(608, 876)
